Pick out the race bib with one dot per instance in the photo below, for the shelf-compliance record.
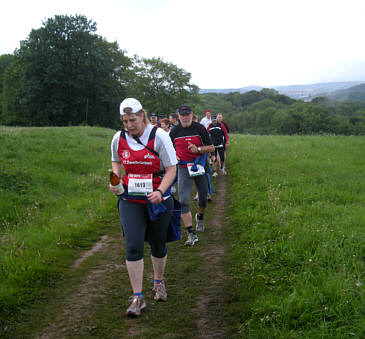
(140, 184)
(192, 173)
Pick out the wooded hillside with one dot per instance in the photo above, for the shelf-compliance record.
(268, 112)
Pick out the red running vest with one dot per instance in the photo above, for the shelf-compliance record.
(139, 162)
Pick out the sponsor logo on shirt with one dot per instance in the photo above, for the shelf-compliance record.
(149, 156)
(128, 162)
(126, 154)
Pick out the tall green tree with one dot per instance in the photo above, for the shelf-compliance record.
(263, 119)
(70, 75)
(281, 122)
(161, 86)
(12, 111)
(5, 62)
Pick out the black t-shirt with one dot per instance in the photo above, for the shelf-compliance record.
(216, 133)
(181, 136)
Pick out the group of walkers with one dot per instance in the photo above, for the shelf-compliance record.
(154, 156)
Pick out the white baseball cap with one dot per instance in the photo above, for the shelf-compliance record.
(131, 103)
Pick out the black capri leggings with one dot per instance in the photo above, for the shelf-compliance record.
(135, 223)
(220, 151)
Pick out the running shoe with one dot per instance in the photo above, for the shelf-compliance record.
(215, 174)
(192, 239)
(160, 291)
(138, 304)
(199, 224)
(223, 171)
(196, 196)
(209, 197)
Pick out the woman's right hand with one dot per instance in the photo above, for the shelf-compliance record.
(112, 189)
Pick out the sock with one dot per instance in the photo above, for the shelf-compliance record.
(190, 229)
(200, 216)
(139, 294)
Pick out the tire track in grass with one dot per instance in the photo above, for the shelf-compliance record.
(209, 305)
(90, 292)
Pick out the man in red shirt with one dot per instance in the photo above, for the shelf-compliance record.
(191, 141)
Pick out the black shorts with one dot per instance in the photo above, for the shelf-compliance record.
(137, 226)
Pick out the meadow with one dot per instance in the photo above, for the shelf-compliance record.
(296, 236)
(53, 201)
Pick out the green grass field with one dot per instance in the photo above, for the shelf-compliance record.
(53, 198)
(297, 235)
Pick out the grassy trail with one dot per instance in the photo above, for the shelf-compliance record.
(91, 300)
(292, 267)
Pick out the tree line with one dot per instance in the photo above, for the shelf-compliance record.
(268, 112)
(66, 74)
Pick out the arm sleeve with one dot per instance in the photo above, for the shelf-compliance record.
(225, 134)
(114, 147)
(172, 135)
(165, 148)
(206, 139)
(226, 126)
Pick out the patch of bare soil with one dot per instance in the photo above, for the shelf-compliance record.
(97, 247)
(208, 320)
(89, 292)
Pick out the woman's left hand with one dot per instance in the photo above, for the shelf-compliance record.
(155, 197)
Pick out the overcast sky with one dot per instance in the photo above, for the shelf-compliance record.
(222, 43)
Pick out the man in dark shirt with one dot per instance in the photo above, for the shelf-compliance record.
(219, 137)
(191, 140)
(220, 120)
(225, 144)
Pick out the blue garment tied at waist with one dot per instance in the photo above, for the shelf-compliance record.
(201, 160)
(154, 210)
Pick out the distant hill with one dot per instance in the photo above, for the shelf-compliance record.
(356, 93)
(304, 92)
(230, 90)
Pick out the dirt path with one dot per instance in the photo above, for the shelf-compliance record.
(91, 300)
(88, 292)
(208, 322)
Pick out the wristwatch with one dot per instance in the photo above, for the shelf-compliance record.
(199, 149)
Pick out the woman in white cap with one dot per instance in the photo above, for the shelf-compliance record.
(149, 160)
